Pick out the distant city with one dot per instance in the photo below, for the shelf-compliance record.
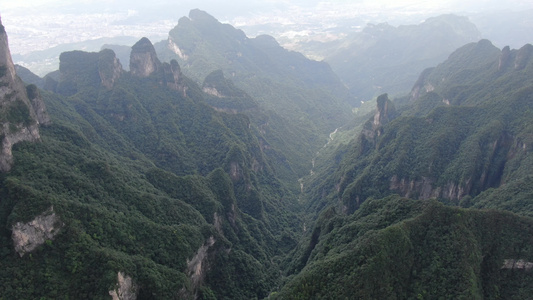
(39, 28)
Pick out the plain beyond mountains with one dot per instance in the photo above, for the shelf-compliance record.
(41, 30)
(262, 182)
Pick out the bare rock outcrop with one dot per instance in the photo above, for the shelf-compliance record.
(424, 189)
(38, 105)
(523, 56)
(78, 69)
(12, 134)
(173, 78)
(19, 117)
(109, 68)
(517, 264)
(385, 112)
(28, 236)
(144, 63)
(504, 58)
(172, 46)
(422, 85)
(125, 288)
(197, 268)
(143, 59)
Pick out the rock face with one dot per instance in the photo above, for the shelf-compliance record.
(173, 78)
(424, 189)
(421, 86)
(144, 63)
(28, 236)
(94, 69)
(517, 264)
(125, 289)
(143, 58)
(523, 56)
(19, 117)
(385, 111)
(38, 104)
(504, 58)
(197, 267)
(109, 68)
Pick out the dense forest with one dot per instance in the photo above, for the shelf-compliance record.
(226, 167)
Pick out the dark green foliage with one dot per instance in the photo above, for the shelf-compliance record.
(463, 136)
(397, 248)
(302, 100)
(77, 68)
(447, 148)
(18, 112)
(106, 64)
(159, 184)
(226, 95)
(138, 175)
(33, 91)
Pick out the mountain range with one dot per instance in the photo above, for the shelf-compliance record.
(192, 174)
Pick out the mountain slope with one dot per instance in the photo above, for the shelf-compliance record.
(306, 93)
(140, 186)
(464, 129)
(21, 108)
(386, 59)
(463, 138)
(396, 248)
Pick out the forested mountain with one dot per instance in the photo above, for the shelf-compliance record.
(139, 186)
(463, 136)
(386, 59)
(150, 184)
(306, 93)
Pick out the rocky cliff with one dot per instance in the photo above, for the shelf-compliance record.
(385, 112)
(79, 69)
(143, 59)
(125, 288)
(19, 115)
(28, 236)
(144, 63)
(197, 269)
(109, 68)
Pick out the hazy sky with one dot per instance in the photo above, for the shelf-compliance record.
(40, 24)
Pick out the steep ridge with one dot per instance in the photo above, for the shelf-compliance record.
(307, 94)
(386, 59)
(143, 179)
(463, 138)
(397, 248)
(21, 110)
(147, 185)
(459, 133)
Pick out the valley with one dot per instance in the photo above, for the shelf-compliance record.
(215, 165)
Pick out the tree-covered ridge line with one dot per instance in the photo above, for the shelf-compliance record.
(306, 95)
(397, 248)
(442, 143)
(190, 191)
(142, 175)
(462, 137)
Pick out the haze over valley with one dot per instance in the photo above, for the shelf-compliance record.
(266, 149)
(298, 25)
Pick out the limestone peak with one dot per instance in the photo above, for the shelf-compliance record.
(19, 121)
(143, 58)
